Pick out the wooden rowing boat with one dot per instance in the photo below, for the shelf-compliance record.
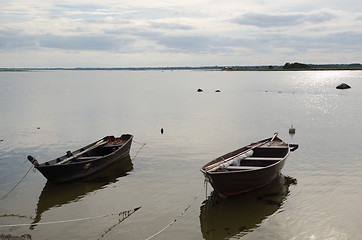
(247, 168)
(85, 161)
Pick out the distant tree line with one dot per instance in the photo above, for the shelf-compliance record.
(287, 67)
(296, 65)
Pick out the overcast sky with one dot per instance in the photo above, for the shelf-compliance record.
(161, 33)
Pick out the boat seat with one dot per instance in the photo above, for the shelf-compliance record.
(88, 158)
(243, 168)
(263, 158)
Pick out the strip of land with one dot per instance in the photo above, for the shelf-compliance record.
(286, 67)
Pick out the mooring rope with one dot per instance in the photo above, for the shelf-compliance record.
(143, 144)
(125, 214)
(180, 215)
(17, 183)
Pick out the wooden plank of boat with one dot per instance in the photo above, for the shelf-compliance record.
(243, 168)
(99, 143)
(216, 165)
(89, 158)
(263, 158)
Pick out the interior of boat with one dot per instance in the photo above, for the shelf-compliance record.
(262, 157)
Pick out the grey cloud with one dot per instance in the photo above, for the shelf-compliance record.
(17, 40)
(171, 26)
(123, 39)
(281, 20)
(359, 18)
(12, 39)
(186, 43)
(103, 43)
(347, 40)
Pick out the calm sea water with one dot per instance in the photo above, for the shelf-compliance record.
(46, 113)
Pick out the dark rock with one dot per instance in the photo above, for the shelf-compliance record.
(217, 90)
(343, 86)
(199, 90)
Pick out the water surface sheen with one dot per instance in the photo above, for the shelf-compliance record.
(46, 113)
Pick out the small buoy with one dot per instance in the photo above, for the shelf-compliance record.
(38, 128)
(161, 130)
(217, 90)
(292, 130)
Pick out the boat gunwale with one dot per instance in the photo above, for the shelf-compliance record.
(52, 163)
(285, 145)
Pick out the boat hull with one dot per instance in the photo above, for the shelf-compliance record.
(266, 160)
(75, 170)
(234, 183)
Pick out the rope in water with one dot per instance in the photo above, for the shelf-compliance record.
(180, 215)
(125, 214)
(17, 183)
(143, 144)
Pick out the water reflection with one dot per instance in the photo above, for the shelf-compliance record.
(236, 216)
(56, 195)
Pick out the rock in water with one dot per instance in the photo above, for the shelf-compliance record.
(343, 86)
(199, 90)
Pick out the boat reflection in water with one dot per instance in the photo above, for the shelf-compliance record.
(56, 195)
(236, 216)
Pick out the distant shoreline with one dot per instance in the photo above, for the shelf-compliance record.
(294, 67)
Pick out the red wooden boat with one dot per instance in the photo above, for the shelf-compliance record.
(249, 167)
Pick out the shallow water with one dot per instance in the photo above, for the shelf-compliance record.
(46, 113)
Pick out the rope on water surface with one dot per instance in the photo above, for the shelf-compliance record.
(124, 214)
(17, 183)
(180, 215)
(143, 144)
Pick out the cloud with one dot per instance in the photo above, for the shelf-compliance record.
(19, 40)
(170, 26)
(188, 30)
(359, 18)
(11, 39)
(282, 20)
(83, 42)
